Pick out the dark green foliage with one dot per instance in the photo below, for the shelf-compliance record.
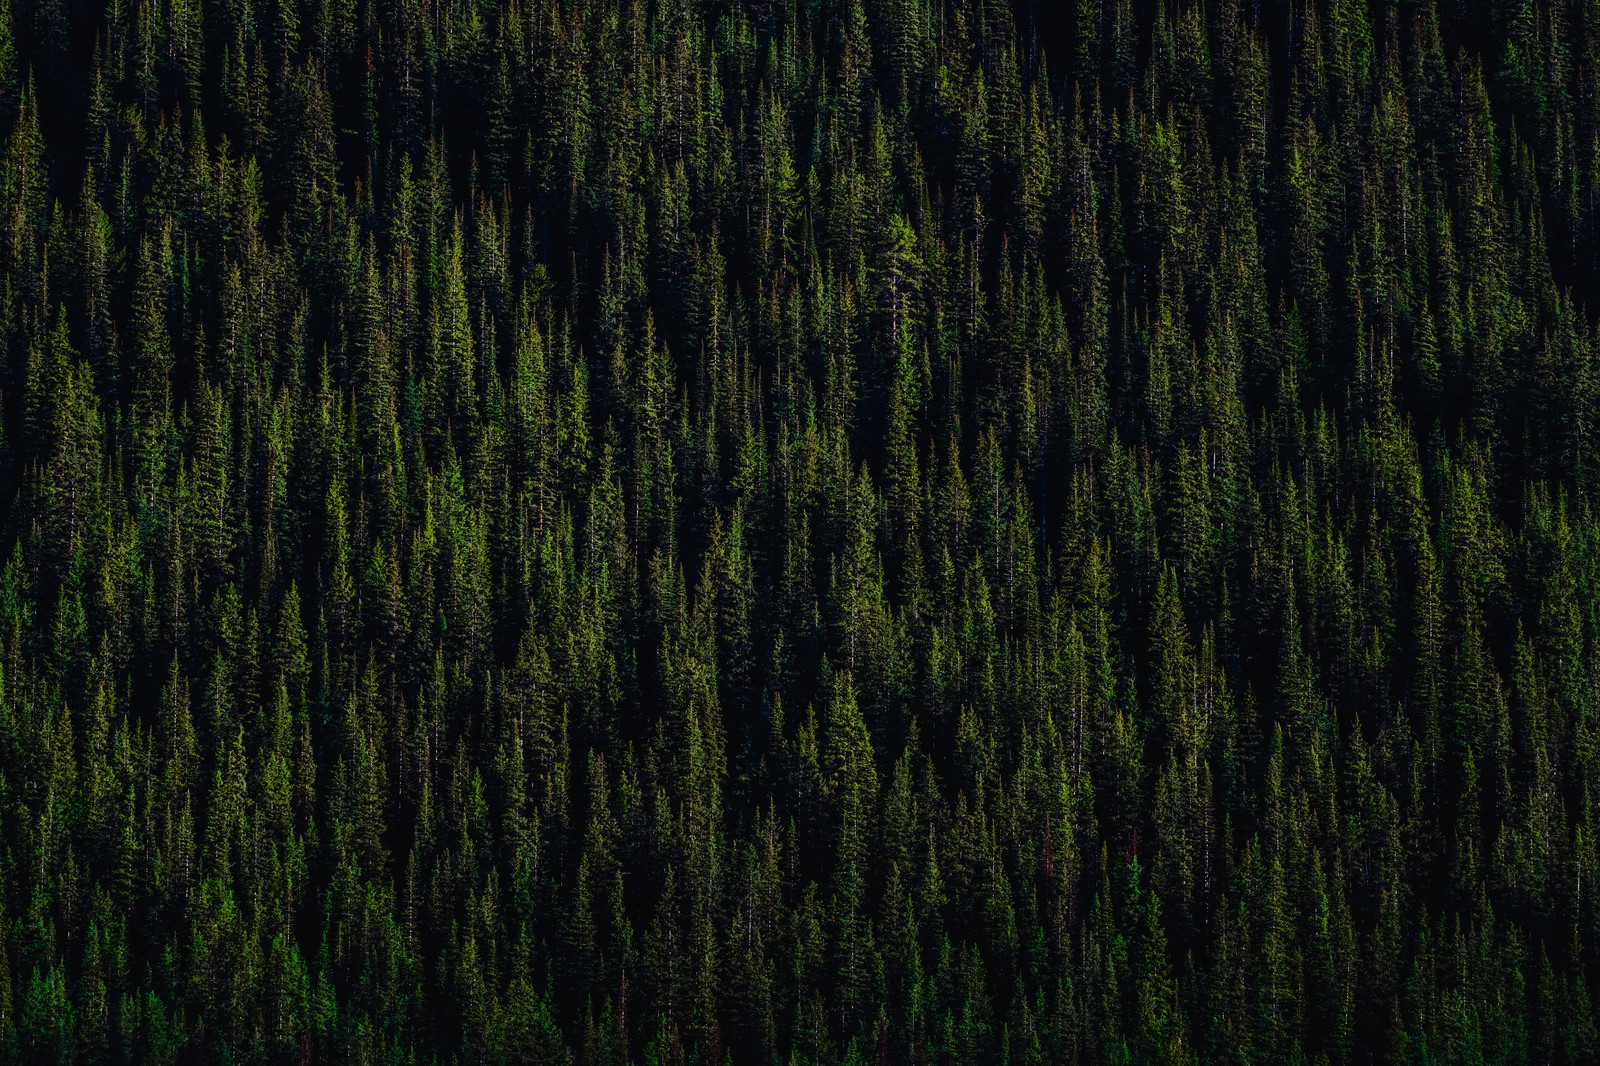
(679, 531)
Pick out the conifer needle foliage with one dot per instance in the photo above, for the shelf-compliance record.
(812, 532)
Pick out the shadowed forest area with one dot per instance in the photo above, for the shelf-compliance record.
(805, 532)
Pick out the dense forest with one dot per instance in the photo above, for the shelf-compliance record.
(799, 532)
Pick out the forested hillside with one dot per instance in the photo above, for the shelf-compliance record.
(799, 531)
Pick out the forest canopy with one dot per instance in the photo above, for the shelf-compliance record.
(802, 532)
